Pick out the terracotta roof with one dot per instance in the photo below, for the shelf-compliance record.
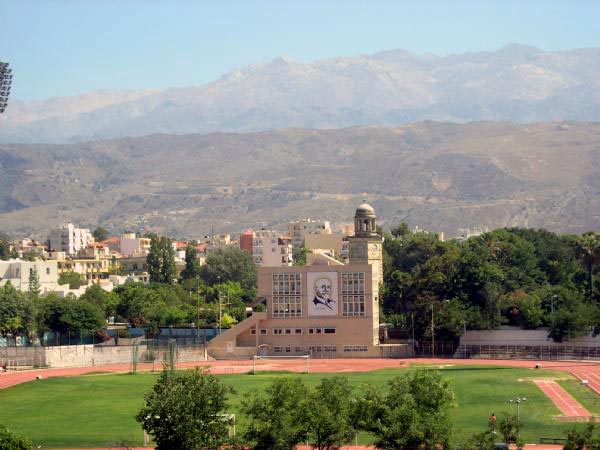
(111, 240)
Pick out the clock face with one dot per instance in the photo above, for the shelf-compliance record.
(374, 249)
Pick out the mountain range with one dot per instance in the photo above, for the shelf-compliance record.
(439, 176)
(516, 83)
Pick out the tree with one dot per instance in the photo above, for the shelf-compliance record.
(100, 234)
(5, 252)
(299, 255)
(588, 438)
(510, 428)
(588, 248)
(192, 265)
(161, 260)
(10, 440)
(275, 418)
(73, 279)
(107, 302)
(414, 413)
(326, 414)
(69, 314)
(230, 264)
(186, 410)
(34, 284)
(16, 312)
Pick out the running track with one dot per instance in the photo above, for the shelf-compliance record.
(562, 399)
(583, 370)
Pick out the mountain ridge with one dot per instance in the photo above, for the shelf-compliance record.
(515, 83)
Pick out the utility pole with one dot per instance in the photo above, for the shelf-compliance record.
(197, 309)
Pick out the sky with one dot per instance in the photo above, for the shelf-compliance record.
(59, 48)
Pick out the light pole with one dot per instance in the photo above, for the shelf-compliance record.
(219, 298)
(432, 334)
(197, 309)
(517, 401)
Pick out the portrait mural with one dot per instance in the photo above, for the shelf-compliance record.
(322, 293)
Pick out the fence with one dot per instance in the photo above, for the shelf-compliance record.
(538, 352)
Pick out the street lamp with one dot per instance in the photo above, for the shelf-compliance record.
(219, 298)
(517, 401)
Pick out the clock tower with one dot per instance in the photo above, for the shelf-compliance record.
(366, 245)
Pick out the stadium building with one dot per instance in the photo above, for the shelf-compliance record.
(327, 309)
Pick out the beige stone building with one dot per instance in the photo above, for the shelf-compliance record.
(325, 310)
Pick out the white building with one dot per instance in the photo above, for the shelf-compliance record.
(70, 239)
(300, 229)
(134, 246)
(269, 249)
(17, 272)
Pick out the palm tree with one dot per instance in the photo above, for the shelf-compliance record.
(588, 249)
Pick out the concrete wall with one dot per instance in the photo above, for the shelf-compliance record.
(86, 355)
(517, 336)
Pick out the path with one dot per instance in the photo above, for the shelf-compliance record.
(562, 399)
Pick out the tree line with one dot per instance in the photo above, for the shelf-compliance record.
(228, 277)
(522, 277)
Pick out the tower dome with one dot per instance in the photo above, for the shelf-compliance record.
(364, 221)
(365, 210)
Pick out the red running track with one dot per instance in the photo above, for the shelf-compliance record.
(562, 399)
(583, 370)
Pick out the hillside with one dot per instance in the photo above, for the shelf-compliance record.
(438, 176)
(515, 84)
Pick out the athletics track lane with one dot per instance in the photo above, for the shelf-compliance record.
(582, 370)
(562, 399)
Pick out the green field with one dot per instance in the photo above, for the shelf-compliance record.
(97, 409)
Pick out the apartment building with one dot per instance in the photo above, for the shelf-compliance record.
(70, 239)
(298, 230)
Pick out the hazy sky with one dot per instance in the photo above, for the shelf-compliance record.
(68, 47)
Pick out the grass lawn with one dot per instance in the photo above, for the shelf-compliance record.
(94, 410)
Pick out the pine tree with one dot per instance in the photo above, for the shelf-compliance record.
(34, 284)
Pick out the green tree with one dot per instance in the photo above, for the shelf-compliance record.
(161, 260)
(275, 417)
(73, 279)
(106, 301)
(69, 315)
(16, 312)
(510, 428)
(10, 440)
(230, 264)
(326, 414)
(34, 284)
(100, 234)
(5, 252)
(588, 248)
(186, 410)
(192, 265)
(583, 439)
(413, 414)
(299, 255)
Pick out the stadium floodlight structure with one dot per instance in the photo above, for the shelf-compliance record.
(5, 82)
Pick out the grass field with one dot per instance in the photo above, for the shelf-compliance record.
(97, 409)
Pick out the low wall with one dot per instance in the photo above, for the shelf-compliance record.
(517, 336)
(87, 355)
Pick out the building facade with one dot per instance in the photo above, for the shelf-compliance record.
(269, 249)
(69, 239)
(300, 229)
(325, 310)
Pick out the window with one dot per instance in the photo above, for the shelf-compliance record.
(287, 295)
(253, 331)
(298, 349)
(277, 330)
(355, 348)
(353, 294)
(47, 270)
(288, 349)
(297, 330)
(263, 331)
(329, 330)
(277, 349)
(288, 331)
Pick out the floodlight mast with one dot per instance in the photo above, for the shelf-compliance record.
(5, 82)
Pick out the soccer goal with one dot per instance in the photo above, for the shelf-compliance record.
(266, 361)
(152, 351)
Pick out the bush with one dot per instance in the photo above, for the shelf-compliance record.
(13, 441)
